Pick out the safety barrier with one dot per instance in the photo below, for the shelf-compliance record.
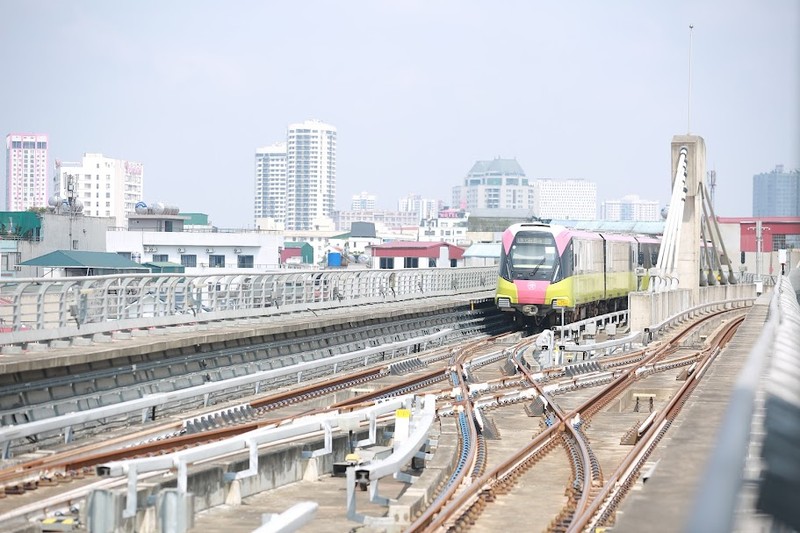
(778, 350)
(44, 309)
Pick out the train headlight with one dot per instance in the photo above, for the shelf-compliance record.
(504, 304)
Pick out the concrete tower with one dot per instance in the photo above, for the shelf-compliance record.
(689, 243)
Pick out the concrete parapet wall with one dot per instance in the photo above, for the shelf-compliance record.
(717, 293)
(648, 308)
(417, 497)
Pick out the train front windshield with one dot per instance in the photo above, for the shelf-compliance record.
(532, 256)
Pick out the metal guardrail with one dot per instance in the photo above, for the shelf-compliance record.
(401, 455)
(718, 496)
(575, 328)
(45, 309)
(67, 421)
(251, 441)
(291, 519)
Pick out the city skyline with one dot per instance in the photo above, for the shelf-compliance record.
(545, 84)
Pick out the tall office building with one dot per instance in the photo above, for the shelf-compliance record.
(26, 171)
(270, 194)
(104, 186)
(363, 202)
(777, 193)
(310, 173)
(632, 208)
(570, 199)
(497, 184)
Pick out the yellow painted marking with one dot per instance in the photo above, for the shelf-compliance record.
(403, 413)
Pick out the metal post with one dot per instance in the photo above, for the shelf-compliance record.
(758, 250)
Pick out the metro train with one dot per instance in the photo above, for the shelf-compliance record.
(546, 268)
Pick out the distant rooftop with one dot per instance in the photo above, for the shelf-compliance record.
(497, 167)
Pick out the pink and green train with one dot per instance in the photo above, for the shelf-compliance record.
(544, 268)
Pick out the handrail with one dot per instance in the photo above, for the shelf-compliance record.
(45, 309)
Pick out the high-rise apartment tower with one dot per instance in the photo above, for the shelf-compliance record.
(270, 193)
(26, 171)
(310, 173)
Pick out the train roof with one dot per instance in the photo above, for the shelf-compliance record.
(558, 229)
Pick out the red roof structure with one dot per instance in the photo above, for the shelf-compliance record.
(415, 249)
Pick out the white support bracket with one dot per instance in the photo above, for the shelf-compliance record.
(327, 448)
(373, 431)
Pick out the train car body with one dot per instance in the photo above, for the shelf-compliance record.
(545, 268)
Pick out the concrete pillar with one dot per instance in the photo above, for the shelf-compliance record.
(104, 510)
(689, 246)
(175, 511)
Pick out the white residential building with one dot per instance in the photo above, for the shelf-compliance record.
(423, 208)
(449, 226)
(200, 252)
(388, 219)
(105, 187)
(496, 184)
(631, 207)
(363, 202)
(270, 191)
(26, 171)
(310, 173)
(296, 180)
(566, 199)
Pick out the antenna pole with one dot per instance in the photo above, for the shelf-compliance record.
(689, 97)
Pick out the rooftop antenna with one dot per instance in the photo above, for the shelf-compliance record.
(689, 98)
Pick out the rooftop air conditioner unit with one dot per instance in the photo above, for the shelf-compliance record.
(209, 250)
(181, 250)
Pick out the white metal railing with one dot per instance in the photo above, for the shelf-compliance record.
(330, 422)
(42, 309)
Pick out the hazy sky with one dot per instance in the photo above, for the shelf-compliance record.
(418, 90)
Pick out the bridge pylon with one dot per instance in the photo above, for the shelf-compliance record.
(688, 245)
(692, 257)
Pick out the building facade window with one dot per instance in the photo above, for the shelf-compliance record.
(387, 262)
(160, 258)
(410, 262)
(244, 261)
(189, 260)
(216, 261)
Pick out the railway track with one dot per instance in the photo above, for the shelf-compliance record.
(587, 489)
(76, 464)
(479, 479)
